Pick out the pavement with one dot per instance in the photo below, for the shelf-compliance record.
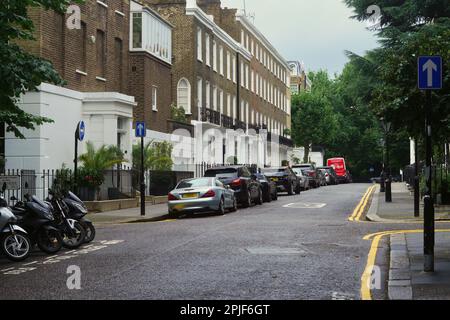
(402, 207)
(407, 280)
(153, 213)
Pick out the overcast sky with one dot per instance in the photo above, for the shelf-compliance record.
(314, 31)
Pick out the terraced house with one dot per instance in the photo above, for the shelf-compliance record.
(227, 75)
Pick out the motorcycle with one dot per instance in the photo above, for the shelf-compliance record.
(14, 240)
(76, 209)
(37, 219)
(72, 231)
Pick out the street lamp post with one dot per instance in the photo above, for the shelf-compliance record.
(387, 168)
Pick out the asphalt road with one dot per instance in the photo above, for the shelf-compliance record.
(300, 247)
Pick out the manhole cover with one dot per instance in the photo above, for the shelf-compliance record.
(305, 205)
(276, 251)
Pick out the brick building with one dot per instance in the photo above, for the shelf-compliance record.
(227, 75)
(112, 80)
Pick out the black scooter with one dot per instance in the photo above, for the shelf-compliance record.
(77, 210)
(72, 231)
(37, 219)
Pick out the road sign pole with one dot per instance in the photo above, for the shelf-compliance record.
(416, 180)
(75, 161)
(429, 224)
(142, 179)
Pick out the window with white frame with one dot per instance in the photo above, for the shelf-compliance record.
(228, 105)
(221, 104)
(247, 77)
(247, 113)
(184, 95)
(234, 109)
(151, 34)
(228, 65)
(257, 51)
(199, 44)
(252, 81)
(207, 95)
(155, 98)
(242, 74)
(207, 50)
(215, 98)
(199, 93)
(242, 37)
(233, 70)
(214, 55)
(221, 62)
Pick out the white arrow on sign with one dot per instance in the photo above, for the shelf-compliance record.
(140, 129)
(430, 66)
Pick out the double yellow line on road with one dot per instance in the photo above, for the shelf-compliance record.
(376, 238)
(359, 210)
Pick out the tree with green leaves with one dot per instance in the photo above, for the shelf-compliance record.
(157, 156)
(21, 71)
(313, 119)
(408, 29)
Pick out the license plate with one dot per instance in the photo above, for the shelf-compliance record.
(275, 179)
(190, 196)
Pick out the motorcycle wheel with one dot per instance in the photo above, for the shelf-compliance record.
(16, 247)
(49, 241)
(90, 231)
(74, 242)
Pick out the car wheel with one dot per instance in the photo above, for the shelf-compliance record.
(235, 205)
(221, 210)
(291, 189)
(260, 200)
(174, 215)
(248, 200)
(298, 189)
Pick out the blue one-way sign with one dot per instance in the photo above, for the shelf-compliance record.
(141, 130)
(430, 72)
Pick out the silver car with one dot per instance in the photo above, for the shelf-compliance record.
(201, 195)
(304, 181)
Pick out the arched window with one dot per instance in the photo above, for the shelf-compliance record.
(184, 95)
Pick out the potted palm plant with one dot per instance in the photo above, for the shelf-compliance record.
(94, 163)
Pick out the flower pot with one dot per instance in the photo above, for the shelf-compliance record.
(87, 194)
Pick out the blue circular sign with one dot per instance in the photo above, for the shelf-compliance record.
(81, 130)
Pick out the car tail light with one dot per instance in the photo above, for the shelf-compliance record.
(311, 173)
(172, 197)
(209, 194)
(236, 183)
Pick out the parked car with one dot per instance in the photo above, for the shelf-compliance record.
(269, 188)
(285, 179)
(321, 177)
(311, 172)
(304, 180)
(246, 186)
(330, 175)
(201, 195)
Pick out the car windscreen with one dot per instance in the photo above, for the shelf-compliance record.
(298, 171)
(195, 183)
(222, 173)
